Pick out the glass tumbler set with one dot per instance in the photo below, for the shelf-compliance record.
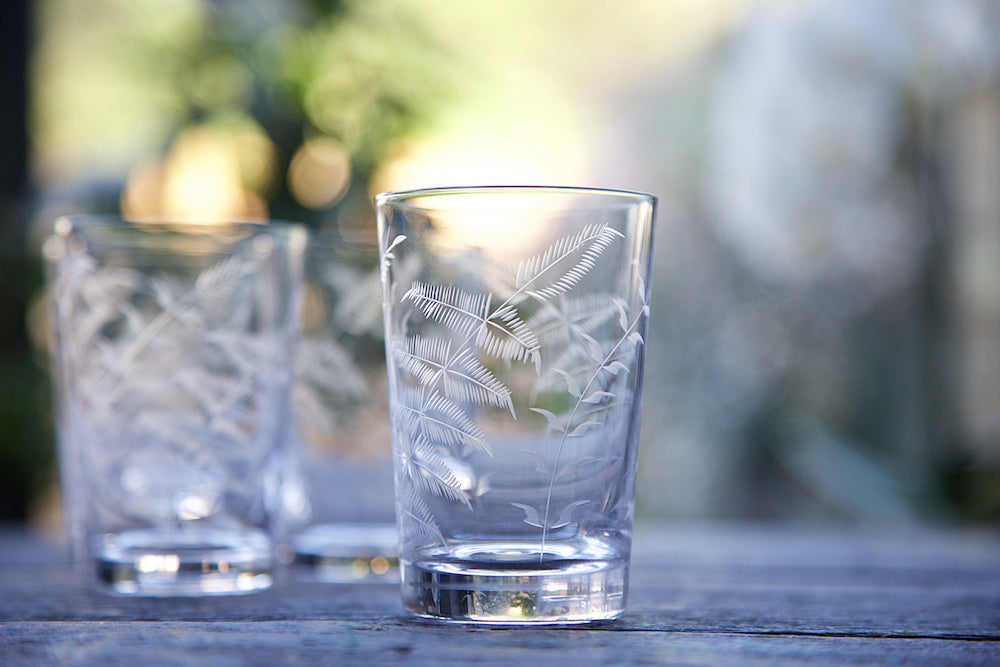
(455, 408)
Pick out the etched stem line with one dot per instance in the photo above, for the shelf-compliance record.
(569, 421)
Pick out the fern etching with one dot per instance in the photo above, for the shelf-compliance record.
(163, 359)
(341, 311)
(594, 404)
(523, 311)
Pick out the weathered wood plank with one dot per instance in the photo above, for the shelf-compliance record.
(398, 641)
(719, 594)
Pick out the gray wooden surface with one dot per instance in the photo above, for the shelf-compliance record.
(726, 595)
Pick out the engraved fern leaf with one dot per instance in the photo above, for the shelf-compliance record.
(500, 333)
(538, 276)
(462, 376)
(446, 364)
(388, 257)
(519, 342)
(561, 320)
(570, 325)
(533, 518)
(415, 514)
(432, 472)
(211, 294)
(593, 403)
(95, 295)
(325, 373)
(441, 420)
(459, 311)
(135, 330)
(209, 297)
(358, 309)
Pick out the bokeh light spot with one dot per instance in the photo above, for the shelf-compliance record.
(320, 172)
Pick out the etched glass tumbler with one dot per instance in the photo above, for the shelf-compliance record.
(340, 498)
(515, 325)
(173, 362)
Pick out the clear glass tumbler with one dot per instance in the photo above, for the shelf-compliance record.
(173, 352)
(515, 325)
(341, 499)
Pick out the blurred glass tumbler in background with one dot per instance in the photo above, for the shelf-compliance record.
(339, 497)
(515, 329)
(173, 364)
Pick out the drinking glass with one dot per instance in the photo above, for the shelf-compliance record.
(173, 354)
(515, 325)
(341, 500)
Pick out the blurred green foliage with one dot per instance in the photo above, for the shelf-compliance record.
(120, 81)
(362, 74)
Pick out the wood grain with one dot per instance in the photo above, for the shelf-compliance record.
(699, 595)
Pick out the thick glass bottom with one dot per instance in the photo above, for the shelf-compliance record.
(347, 552)
(508, 583)
(188, 563)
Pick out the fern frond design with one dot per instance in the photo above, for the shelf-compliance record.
(531, 275)
(358, 296)
(441, 420)
(569, 317)
(582, 465)
(476, 383)
(208, 297)
(327, 366)
(388, 257)
(507, 321)
(212, 291)
(415, 514)
(98, 297)
(500, 333)
(593, 403)
(226, 399)
(533, 518)
(325, 373)
(460, 312)
(131, 326)
(462, 376)
(570, 325)
(584, 418)
(432, 473)
(173, 360)
(516, 341)
(423, 358)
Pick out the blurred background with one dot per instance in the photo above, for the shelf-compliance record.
(825, 333)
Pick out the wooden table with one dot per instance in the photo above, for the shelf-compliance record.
(717, 594)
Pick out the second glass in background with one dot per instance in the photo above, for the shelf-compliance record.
(339, 498)
(173, 348)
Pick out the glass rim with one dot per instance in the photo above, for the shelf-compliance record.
(406, 198)
(116, 233)
(66, 225)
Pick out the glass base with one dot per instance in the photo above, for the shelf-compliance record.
(188, 563)
(509, 584)
(347, 552)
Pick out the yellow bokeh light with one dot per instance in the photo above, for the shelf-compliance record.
(211, 173)
(202, 178)
(256, 156)
(320, 172)
(141, 198)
